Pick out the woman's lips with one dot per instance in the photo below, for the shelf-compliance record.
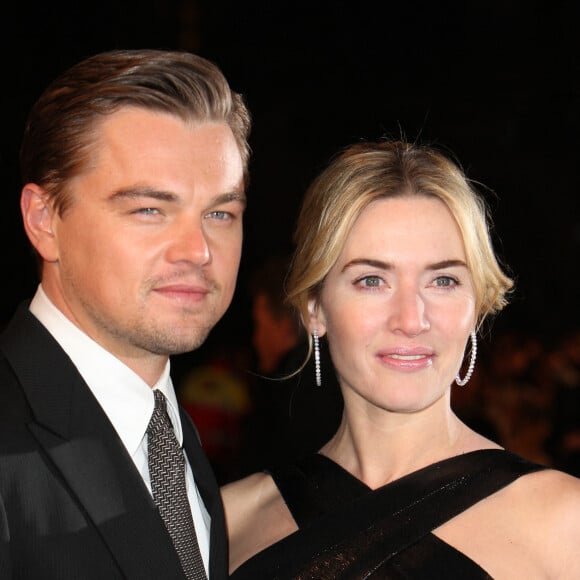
(407, 360)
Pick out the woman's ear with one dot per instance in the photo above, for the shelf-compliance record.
(38, 215)
(316, 317)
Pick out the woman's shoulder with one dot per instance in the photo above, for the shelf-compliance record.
(256, 516)
(542, 512)
(548, 508)
(554, 497)
(553, 493)
(248, 484)
(250, 493)
(531, 526)
(246, 497)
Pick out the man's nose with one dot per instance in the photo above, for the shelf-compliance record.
(189, 244)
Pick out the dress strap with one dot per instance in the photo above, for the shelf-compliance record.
(315, 485)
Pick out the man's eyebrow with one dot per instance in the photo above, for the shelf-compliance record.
(234, 196)
(160, 195)
(142, 192)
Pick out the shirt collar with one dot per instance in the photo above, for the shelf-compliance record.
(126, 398)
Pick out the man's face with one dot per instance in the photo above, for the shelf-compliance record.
(145, 259)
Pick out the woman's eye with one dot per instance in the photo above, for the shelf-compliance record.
(445, 282)
(370, 281)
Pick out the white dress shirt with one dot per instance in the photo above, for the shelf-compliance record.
(126, 399)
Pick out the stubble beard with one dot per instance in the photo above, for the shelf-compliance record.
(157, 341)
(146, 334)
(167, 340)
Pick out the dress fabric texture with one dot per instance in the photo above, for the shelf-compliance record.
(348, 531)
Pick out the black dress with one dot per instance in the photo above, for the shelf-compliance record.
(348, 531)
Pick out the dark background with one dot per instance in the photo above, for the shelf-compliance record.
(497, 84)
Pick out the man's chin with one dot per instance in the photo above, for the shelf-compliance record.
(173, 343)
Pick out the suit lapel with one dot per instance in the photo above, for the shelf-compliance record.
(209, 490)
(76, 434)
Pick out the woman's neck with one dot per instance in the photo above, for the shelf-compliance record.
(379, 448)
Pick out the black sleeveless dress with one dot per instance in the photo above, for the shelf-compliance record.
(348, 531)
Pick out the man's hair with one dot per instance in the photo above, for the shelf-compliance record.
(61, 127)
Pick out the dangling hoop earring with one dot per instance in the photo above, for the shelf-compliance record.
(462, 382)
(317, 371)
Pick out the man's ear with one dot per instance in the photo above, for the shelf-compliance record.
(316, 317)
(38, 215)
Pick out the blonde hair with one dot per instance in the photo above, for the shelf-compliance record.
(366, 172)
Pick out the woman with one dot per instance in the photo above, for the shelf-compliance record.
(394, 265)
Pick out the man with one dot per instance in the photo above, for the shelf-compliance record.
(134, 164)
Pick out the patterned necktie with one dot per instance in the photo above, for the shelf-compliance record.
(167, 471)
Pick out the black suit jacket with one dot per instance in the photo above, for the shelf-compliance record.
(72, 503)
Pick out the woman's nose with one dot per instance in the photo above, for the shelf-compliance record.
(409, 314)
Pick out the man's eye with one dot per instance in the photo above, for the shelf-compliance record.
(148, 210)
(220, 215)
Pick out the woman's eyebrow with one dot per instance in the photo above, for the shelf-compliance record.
(373, 263)
(447, 264)
(368, 262)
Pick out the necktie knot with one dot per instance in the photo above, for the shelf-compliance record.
(160, 422)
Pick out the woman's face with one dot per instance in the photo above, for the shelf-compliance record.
(398, 305)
